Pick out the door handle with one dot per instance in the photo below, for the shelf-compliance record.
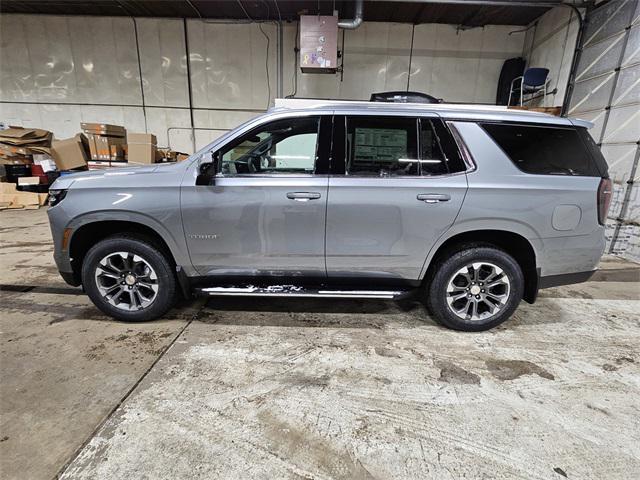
(303, 196)
(433, 197)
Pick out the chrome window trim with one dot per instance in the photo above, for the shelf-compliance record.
(273, 175)
(399, 177)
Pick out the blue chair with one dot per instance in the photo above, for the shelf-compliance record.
(533, 81)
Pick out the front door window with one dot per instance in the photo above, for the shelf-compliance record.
(285, 146)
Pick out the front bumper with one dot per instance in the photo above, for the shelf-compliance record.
(58, 221)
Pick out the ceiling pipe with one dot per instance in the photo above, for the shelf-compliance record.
(509, 3)
(357, 18)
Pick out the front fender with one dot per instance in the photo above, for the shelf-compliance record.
(173, 239)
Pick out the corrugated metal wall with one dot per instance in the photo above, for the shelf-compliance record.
(57, 71)
(607, 92)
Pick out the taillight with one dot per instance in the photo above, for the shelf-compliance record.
(605, 190)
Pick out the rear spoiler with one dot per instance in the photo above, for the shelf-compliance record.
(578, 122)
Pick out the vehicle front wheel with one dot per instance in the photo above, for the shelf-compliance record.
(475, 288)
(129, 278)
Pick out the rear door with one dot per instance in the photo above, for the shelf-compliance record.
(265, 215)
(396, 185)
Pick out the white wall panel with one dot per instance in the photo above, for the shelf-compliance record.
(163, 62)
(228, 64)
(160, 119)
(219, 122)
(93, 60)
(551, 45)
(456, 65)
(72, 59)
(64, 120)
(376, 58)
(461, 65)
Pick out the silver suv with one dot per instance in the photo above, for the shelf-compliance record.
(473, 208)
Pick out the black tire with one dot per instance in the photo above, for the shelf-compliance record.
(153, 256)
(456, 260)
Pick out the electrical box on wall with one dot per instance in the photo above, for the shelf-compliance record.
(318, 43)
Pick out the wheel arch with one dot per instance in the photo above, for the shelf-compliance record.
(90, 233)
(516, 245)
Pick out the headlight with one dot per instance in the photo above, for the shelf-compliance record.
(56, 196)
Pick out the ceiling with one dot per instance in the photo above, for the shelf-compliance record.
(377, 11)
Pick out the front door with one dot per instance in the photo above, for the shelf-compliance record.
(265, 215)
(398, 184)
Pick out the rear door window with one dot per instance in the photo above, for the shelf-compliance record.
(382, 146)
(543, 150)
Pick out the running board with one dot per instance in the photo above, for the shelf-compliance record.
(295, 291)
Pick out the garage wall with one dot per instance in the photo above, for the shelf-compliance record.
(607, 92)
(550, 43)
(457, 65)
(58, 71)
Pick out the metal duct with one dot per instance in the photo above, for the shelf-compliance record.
(356, 21)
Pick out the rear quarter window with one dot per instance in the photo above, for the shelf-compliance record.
(544, 150)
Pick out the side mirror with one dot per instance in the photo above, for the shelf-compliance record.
(208, 170)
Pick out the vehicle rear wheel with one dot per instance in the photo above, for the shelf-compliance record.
(475, 288)
(129, 279)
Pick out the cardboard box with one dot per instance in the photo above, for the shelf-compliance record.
(105, 148)
(142, 138)
(142, 148)
(103, 129)
(12, 198)
(19, 136)
(69, 153)
(15, 160)
(117, 153)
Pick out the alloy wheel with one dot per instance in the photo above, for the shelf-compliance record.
(478, 291)
(126, 281)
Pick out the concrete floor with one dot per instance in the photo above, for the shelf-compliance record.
(247, 388)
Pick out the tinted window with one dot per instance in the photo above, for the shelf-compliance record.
(283, 146)
(544, 150)
(439, 154)
(381, 146)
(596, 154)
(432, 159)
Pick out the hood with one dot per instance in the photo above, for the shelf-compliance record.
(65, 181)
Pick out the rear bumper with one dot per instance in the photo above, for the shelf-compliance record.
(564, 279)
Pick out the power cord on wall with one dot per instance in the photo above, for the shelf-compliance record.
(266, 63)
